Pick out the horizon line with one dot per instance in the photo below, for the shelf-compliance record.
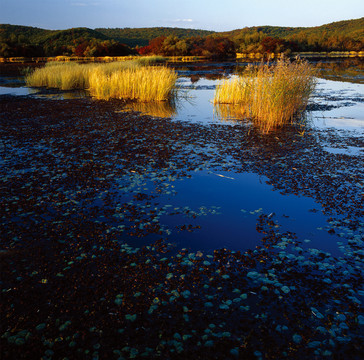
(175, 27)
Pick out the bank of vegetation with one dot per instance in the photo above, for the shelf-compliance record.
(270, 95)
(17, 41)
(133, 80)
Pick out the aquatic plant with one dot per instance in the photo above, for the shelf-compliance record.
(68, 76)
(142, 84)
(64, 76)
(270, 95)
(127, 79)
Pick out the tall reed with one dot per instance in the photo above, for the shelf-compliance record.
(270, 95)
(127, 79)
(64, 76)
(141, 84)
(68, 76)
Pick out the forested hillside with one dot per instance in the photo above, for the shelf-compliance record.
(350, 28)
(338, 36)
(31, 42)
(141, 36)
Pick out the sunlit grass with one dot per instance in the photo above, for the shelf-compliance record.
(142, 84)
(64, 76)
(68, 75)
(123, 80)
(270, 95)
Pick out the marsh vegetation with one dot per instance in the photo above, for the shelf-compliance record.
(271, 95)
(134, 80)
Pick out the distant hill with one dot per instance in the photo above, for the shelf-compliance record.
(31, 34)
(336, 36)
(274, 31)
(131, 37)
(28, 41)
(350, 28)
(17, 40)
(76, 33)
(141, 36)
(37, 36)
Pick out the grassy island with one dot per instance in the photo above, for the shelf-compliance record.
(271, 95)
(135, 80)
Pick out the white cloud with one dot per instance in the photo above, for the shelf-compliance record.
(183, 20)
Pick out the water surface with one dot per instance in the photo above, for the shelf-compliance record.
(238, 197)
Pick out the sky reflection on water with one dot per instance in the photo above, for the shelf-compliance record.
(242, 197)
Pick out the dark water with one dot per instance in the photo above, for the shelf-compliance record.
(337, 117)
(80, 178)
(232, 201)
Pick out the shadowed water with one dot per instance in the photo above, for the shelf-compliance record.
(335, 120)
(86, 183)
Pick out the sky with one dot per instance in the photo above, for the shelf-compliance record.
(221, 15)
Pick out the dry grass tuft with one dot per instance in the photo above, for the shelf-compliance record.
(270, 95)
(124, 80)
(141, 84)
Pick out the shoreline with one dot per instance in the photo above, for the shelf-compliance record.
(245, 56)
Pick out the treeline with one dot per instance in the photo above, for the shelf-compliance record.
(345, 35)
(338, 36)
(212, 47)
(141, 36)
(224, 47)
(247, 42)
(34, 42)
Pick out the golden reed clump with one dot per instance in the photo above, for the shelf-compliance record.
(122, 80)
(270, 95)
(141, 84)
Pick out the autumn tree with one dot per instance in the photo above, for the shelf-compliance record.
(272, 45)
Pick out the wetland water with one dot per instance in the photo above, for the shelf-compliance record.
(81, 177)
(238, 198)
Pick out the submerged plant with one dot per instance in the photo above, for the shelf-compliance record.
(270, 95)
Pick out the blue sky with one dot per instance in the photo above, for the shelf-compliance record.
(218, 15)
